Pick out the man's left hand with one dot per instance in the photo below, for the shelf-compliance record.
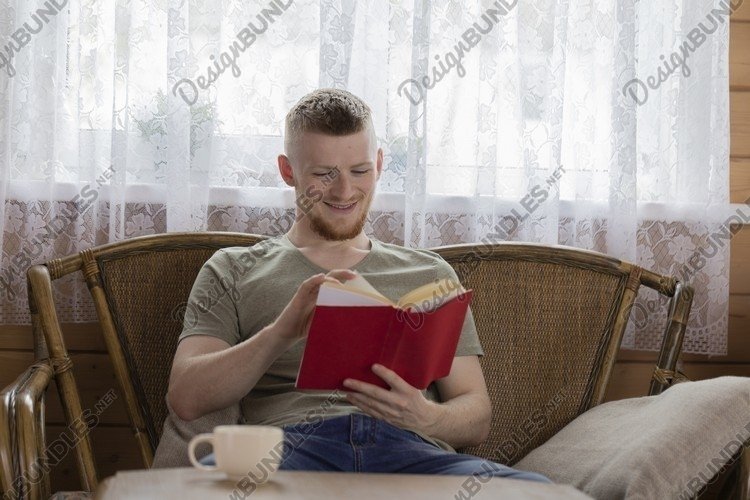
(403, 405)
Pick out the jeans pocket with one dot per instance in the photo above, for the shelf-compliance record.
(420, 439)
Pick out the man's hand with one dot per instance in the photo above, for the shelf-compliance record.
(403, 405)
(294, 321)
(203, 363)
(461, 419)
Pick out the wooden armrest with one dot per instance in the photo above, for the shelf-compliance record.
(7, 445)
(665, 372)
(24, 470)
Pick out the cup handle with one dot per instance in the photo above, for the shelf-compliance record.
(200, 438)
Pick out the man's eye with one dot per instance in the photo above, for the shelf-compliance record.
(360, 172)
(316, 174)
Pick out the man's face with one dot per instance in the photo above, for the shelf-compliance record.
(335, 179)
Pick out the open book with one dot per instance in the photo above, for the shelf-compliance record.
(354, 326)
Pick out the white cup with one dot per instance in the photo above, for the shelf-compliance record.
(242, 451)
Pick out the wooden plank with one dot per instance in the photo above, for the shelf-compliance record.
(702, 371)
(629, 378)
(739, 56)
(738, 346)
(739, 179)
(94, 377)
(16, 337)
(739, 118)
(13, 364)
(741, 14)
(627, 355)
(739, 265)
(92, 370)
(116, 414)
(78, 337)
(114, 448)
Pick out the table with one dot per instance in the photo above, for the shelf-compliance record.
(188, 483)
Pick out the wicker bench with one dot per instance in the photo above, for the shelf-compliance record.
(550, 319)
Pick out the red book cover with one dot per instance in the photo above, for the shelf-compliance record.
(344, 341)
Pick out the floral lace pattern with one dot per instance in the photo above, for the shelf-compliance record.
(500, 120)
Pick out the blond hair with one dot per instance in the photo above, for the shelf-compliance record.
(326, 111)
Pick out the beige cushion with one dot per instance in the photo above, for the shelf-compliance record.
(172, 449)
(665, 446)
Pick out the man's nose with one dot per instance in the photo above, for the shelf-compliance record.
(342, 187)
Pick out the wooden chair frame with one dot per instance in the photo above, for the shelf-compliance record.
(23, 425)
(53, 360)
(8, 452)
(48, 335)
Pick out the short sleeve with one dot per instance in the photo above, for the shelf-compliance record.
(468, 342)
(211, 308)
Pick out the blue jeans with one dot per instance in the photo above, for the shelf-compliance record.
(360, 443)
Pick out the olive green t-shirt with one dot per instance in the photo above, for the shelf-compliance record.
(241, 290)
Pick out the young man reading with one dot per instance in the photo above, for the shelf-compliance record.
(247, 347)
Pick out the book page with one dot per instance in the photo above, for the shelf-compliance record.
(362, 285)
(431, 296)
(354, 292)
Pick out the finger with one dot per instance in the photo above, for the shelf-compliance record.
(391, 378)
(314, 280)
(369, 389)
(311, 285)
(387, 402)
(341, 270)
(341, 274)
(367, 406)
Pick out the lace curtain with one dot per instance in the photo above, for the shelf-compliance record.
(600, 125)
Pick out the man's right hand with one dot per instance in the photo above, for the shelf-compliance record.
(202, 363)
(294, 321)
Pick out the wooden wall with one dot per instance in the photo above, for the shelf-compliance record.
(116, 448)
(112, 440)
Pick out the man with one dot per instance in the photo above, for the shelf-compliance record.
(247, 346)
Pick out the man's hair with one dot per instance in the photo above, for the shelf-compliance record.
(326, 111)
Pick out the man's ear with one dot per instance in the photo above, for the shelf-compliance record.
(286, 170)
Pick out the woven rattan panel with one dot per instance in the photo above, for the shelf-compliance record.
(542, 327)
(145, 292)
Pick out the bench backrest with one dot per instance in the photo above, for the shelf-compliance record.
(550, 320)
